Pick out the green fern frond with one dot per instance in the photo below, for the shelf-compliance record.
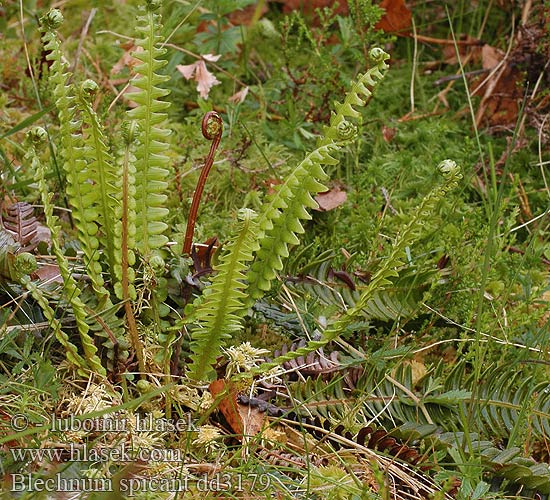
(102, 170)
(107, 326)
(280, 221)
(71, 350)
(400, 300)
(70, 286)
(82, 193)
(382, 278)
(151, 162)
(340, 129)
(220, 313)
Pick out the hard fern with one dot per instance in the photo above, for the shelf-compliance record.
(102, 317)
(91, 360)
(125, 216)
(401, 300)
(381, 279)
(82, 193)
(151, 163)
(279, 222)
(101, 168)
(220, 312)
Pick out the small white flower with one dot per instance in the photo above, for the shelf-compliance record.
(244, 357)
(206, 437)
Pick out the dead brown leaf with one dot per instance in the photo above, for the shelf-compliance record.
(500, 103)
(468, 49)
(490, 56)
(397, 18)
(48, 273)
(243, 419)
(127, 60)
(244, 16)
(331, 199)
(388, 133)
(309, 6)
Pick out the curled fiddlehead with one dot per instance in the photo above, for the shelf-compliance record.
(340, 127)
(13, 264)
(212, 129)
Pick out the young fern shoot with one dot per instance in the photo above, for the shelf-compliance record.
(83, 195)
(91, 361)
(220, 313)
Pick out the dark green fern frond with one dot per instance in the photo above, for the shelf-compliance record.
(106, 326)
(279, 222)
(82, 193)
(71, 350)
(151, 162)
(401, 299)
(125, 216)
(220, 313)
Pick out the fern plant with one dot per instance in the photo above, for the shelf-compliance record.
(117, 207)
(125, 236)
(279, 222)
(151, 162)
(219, 314)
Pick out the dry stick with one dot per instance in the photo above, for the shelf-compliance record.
(444, 41)
(414, 65)
(541, 128)
(212, 128)
(82, 37)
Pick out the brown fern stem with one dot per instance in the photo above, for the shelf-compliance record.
(212, 128)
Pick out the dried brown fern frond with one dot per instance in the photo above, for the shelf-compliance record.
(20, 222)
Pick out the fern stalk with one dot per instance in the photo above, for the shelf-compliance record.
(212, 129)
(125, 231)
(81, 192)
